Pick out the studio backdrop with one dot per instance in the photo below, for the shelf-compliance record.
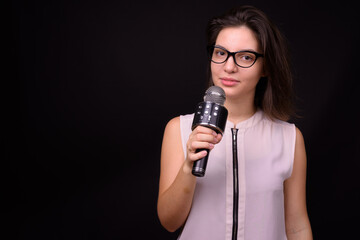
(93, 84)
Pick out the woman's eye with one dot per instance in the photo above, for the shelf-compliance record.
(220, 53)
(246, 57)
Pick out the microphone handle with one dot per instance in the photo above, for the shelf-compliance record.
(199, 166)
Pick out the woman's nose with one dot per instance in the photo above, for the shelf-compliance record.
(230, 65)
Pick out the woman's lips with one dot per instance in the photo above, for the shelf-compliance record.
(229, 81)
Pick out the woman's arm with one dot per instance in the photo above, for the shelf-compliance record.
(177, 184)
(296, 217)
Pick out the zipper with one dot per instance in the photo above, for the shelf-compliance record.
(235, 184)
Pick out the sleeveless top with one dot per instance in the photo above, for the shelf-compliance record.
(265, 155)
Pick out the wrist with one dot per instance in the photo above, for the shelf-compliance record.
(187, 167)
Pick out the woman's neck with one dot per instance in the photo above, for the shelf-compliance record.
(240, 110)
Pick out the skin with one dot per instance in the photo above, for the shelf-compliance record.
(177, 184)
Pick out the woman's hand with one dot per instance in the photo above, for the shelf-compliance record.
(200, 138)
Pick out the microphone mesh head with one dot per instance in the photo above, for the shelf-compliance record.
(215, 94)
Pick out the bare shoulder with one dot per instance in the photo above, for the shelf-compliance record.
(173, 125)
(299, 136)
(172, 133)
(300, 153)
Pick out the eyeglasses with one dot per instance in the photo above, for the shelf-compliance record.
(244, 59)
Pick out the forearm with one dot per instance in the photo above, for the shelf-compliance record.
(174, 204)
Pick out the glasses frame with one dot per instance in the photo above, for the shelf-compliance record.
(210, 50)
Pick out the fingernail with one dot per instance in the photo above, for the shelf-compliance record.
(211, 145)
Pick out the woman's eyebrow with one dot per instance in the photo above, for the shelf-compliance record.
(246, 49)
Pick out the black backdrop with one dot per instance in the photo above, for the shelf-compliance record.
(94, 83)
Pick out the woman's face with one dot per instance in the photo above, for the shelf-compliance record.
(237, 82)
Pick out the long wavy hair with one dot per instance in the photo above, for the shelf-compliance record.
(273, 93)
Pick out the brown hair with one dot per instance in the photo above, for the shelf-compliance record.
(274, 92)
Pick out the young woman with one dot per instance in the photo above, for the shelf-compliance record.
(254, 187)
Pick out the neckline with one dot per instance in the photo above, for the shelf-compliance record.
(247, 123)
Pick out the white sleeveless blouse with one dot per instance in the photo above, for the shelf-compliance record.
(265, 151)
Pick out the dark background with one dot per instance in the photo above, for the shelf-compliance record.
(93, 84)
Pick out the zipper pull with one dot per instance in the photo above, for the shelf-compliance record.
(234, 133)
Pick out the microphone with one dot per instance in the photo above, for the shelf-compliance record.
(212, 114)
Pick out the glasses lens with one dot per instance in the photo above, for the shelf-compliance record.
(245, 59)
(219, 55)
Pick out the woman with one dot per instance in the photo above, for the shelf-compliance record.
(258, 192)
